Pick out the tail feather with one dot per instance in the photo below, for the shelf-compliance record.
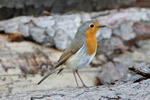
(53, 71)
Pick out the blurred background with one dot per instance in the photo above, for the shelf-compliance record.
(13, 8)
(33, 34)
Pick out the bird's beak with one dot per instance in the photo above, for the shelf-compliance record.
(101, 26)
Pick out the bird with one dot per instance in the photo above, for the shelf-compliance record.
(80, 52)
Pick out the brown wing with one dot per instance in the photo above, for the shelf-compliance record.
(68, 53)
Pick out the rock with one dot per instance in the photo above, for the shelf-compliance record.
(127, 34)
(48, 27)
(44, 30)
(122, 91)
(85, 17)
(11, 27)
(24, 29)
(50, 31)
(109, 71)
(44, 22)
(104, 33)
(125, 31)
(37, 34)
(61, 40)
(119, 64)
(141, 67)
(109, 45)
(65, 30)
(137, 56)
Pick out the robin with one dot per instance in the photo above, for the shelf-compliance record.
(81, 50)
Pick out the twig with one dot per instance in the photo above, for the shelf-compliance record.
(137, 71)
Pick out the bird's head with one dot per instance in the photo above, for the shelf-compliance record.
(89, 28)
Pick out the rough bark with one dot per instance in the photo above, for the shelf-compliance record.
(122, 91)
(138, 90)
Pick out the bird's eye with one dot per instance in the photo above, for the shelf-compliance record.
(91, 25)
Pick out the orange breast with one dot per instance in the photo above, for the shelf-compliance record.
(91, 45)
(91, 42)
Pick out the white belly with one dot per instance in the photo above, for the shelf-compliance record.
(79, 59)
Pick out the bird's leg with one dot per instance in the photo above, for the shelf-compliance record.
(75, 78)
(80, 78)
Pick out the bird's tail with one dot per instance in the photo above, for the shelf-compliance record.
(53, 71)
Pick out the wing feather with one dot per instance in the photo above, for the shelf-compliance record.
(68, 53)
